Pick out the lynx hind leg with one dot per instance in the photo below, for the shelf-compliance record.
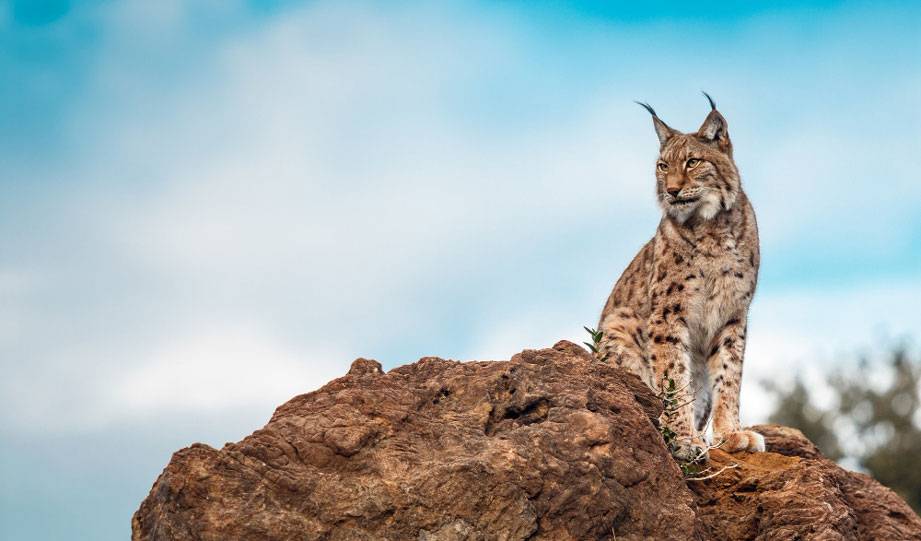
(624, 343)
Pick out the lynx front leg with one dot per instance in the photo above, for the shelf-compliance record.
(670, 356)
(725, 368)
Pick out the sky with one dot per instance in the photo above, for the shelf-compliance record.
(210, 206)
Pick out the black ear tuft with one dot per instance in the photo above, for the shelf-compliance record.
(647, 107)
(712, 105)
(715, 128)
(663, 132)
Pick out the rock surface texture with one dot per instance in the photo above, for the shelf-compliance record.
(547, 445)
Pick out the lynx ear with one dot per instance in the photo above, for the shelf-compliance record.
(662, 129)
(715, 128)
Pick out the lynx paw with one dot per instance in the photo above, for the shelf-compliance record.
(742, 440)
(690, 450)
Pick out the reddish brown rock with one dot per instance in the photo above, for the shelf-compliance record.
(788, 441)
(792, 492)
(548, 445)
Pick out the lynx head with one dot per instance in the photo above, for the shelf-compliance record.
(695, 173)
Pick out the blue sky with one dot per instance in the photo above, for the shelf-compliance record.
(209, 206)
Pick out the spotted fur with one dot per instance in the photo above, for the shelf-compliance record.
(680, 309)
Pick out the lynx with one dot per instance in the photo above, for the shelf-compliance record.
(679, 311)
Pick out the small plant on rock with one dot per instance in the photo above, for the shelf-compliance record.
(595, 345)
(670, 404)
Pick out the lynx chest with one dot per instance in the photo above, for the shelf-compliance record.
(725, 275)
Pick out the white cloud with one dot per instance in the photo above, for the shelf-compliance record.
(220, 368)
(339, 181)
(305, 181)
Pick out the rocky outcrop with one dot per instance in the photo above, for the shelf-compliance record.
(785, 496)
(547, 445)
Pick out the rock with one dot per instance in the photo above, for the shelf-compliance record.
(787, 441)
(547, 445)
(792, 492)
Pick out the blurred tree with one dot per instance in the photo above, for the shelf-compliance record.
(794, 408)
(879, 416)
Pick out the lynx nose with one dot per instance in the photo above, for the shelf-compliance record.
(673, 191)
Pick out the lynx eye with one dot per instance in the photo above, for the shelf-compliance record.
(693, 162)
(662, 166)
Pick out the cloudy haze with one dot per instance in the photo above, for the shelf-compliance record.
(208, 207)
